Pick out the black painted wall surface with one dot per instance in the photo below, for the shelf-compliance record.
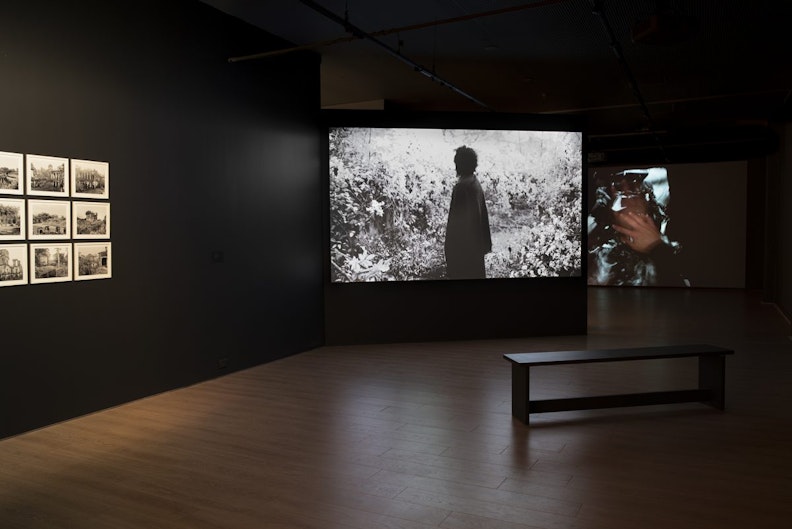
(778, 248)
(454, 310)
(205, 156)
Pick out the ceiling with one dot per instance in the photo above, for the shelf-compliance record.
(663, 79)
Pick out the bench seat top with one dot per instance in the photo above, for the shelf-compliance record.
(610, 355)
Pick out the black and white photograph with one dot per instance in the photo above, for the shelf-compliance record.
(12, 219)
(90, 179)
(92, 261)
(91, 220)
(50, 263)
(13, 265)
(46, 175)
(433, 204)
(11, 171)
(49, 219)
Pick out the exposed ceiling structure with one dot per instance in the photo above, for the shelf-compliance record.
(655, 79)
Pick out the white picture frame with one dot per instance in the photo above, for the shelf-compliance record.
(47, 176)
(90, 179)
(92, 261)
(12, 173)
(12, 219)
(13, 265)
(91, 220)
(49, 219)
(50, 262)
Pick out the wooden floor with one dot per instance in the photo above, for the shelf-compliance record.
(420, 435)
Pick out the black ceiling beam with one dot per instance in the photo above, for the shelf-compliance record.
(613, 42)
(359, 33)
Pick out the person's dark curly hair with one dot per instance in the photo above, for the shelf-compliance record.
(466, 160)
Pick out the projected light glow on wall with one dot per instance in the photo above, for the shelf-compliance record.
(675, 225)
(628, 243)
(390, 195)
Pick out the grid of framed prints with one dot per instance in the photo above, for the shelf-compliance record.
(54, 219)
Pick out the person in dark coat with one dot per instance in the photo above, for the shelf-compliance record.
(467, 232)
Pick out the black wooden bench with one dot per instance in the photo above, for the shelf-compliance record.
(711, 378)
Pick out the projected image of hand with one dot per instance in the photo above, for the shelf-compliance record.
(638, 230)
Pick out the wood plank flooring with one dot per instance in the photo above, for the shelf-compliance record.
(418, 436)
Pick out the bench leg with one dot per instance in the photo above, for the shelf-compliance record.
(520, 395)
(712, 377)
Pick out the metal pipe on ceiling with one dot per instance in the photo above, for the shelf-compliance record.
(401, 29)
(674, 101)
(613, 42)
(356, 31)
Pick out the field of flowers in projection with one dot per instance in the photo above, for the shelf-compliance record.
(390, 190)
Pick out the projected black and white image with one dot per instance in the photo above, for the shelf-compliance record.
(698, 210)
(12, 219)
(11, 169)
(627, 227)
(429, 204)
(13, 265)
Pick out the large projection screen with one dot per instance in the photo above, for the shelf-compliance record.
(404, 207)
(391, 180)
(699, 211)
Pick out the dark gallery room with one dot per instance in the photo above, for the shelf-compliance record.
(289, 264)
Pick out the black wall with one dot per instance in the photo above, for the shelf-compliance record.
(205, 156)
(454, 310)
(778, 249)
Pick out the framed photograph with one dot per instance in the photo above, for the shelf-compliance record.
(91, 220)
(90, 179)
(50, 263)
(92, 261)
(11, 165)
(49, 219)
(46, 176)
(12, 219)
(13, 265)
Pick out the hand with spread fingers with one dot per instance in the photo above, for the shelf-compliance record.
(638, 230)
